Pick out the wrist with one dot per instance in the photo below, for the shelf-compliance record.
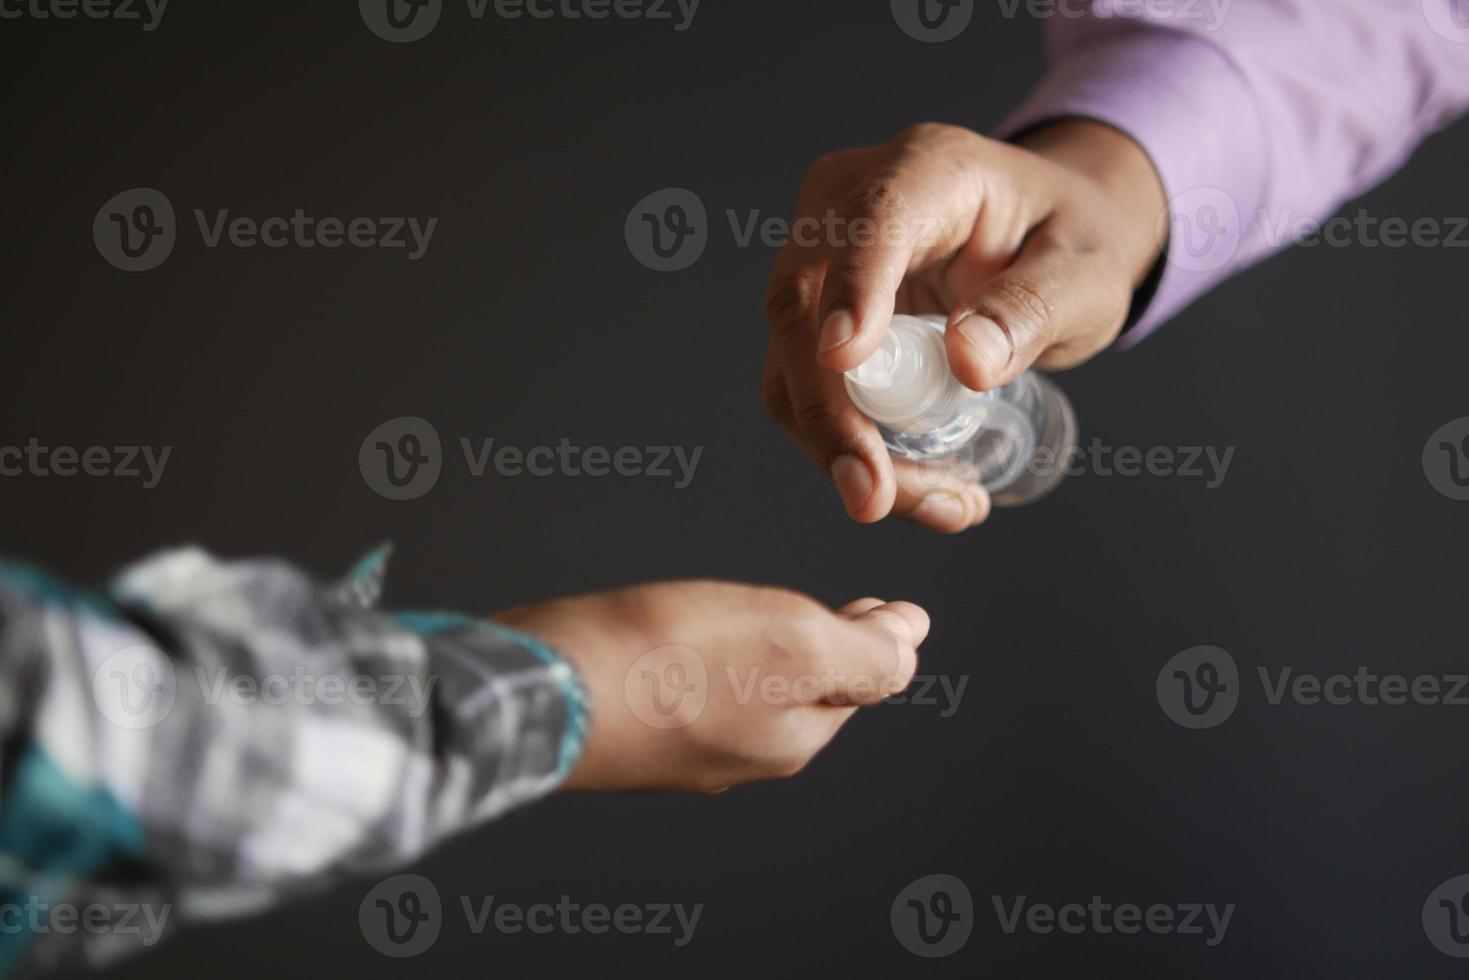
(1118, 167)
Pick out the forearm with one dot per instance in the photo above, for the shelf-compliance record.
(1274, 113)
(223, 735)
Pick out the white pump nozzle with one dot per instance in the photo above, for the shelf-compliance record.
(904, 376)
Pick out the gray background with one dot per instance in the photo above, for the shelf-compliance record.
(1059, 776)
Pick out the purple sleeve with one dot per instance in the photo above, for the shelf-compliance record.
(1262, 116)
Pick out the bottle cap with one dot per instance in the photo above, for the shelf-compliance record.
(904, 376)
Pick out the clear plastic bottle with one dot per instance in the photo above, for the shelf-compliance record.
(927, 416)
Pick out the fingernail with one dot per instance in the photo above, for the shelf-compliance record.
(989, 339)
(941, 507)
(838, 329)
(852, 480)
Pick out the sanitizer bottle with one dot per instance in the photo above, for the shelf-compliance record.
(1016, 440)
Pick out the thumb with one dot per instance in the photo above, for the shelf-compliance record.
(1049, 297)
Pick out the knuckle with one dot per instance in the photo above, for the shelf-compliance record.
(797, 643)
(926, 137)
(813, 414)
(788, 298)
(1019, 304)
(846, 279)
(923, 131)
(880, 196)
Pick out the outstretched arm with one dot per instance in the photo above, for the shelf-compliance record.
(208, 738)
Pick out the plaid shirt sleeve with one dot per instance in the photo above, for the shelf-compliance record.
(208, 738)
